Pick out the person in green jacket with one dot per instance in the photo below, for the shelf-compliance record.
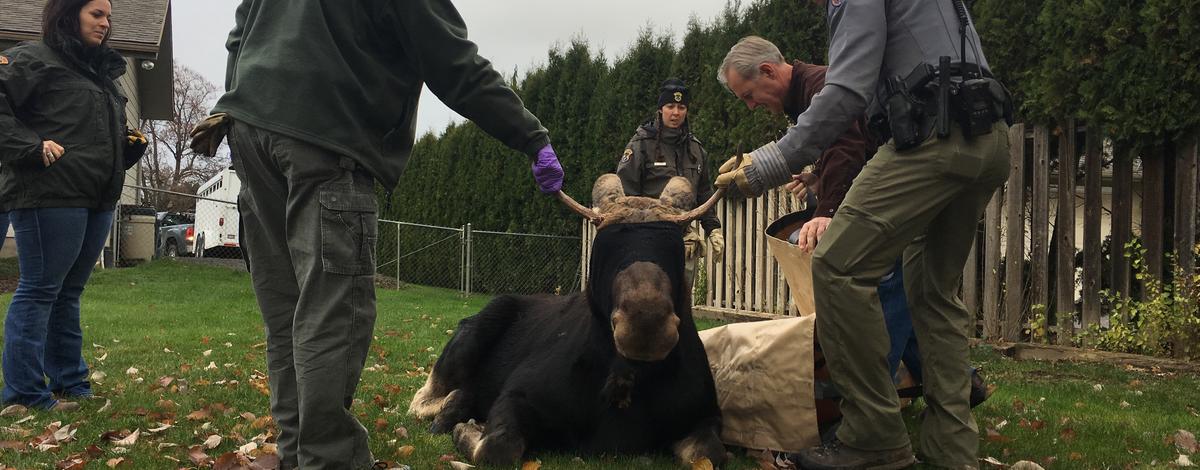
(320, 104)
(664, 148)
(64, 147)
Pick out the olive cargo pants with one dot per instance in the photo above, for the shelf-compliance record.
(309, 231)
(925, 204)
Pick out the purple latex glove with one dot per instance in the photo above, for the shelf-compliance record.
(547, 171)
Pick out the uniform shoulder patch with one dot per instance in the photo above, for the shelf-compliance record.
(625, 156)
(4, 60)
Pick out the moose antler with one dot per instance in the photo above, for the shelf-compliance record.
(579, 208)
(689, 216)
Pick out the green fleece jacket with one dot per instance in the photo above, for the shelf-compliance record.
(346, 76)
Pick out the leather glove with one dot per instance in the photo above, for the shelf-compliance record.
(547, 172)
(207, 136)
(134, 136)
(691, 245)
(751, 174)
(716, 241)
(135, 146)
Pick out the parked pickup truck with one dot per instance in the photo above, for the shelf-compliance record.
(176, 234)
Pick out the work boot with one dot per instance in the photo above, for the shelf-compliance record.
(64, 406)
(836, 455)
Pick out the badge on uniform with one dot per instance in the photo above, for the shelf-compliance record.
(3, 60)
(678, 97)
(625, 156)
(660, 163)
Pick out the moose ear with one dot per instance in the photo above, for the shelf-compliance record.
(606, 190)
(678, 194)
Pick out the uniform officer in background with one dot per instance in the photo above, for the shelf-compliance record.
(920, 196)
(320, 104)
(664, 148)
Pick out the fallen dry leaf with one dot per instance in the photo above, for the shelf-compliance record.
(995, 436)
(71, 463)
(380, 424)
(1025, 465)
(266, 462)
(402, 432)
(1067, 434)
(532, 465)
(131, 371)
(702, 464)
(200, 414)
(113, 463)
(65, 433)
(107, 403)
(197, 456)
(130, 439)
(227, 461)
(1186, 442)
(212, 442)
(14, 410)
(1183, 461)
(456, 465)
(405, 451)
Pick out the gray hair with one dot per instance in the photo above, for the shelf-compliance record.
(745, 57)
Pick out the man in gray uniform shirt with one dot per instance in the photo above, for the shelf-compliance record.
(904, 63)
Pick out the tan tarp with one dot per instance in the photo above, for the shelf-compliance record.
(764, 370)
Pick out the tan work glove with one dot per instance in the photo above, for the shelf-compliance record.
(732, 176)
(752, 174)
(691, 245)
(207, 135)
(716, 242)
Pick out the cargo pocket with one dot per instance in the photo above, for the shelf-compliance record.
(844, 245)
(349, 230)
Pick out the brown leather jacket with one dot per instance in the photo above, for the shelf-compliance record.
(845, 158)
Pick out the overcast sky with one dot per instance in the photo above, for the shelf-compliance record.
(511, 33)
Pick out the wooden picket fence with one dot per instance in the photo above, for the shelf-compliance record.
(1016, 229)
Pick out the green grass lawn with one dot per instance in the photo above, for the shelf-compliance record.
(183, 345)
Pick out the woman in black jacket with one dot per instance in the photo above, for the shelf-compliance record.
(64, 148)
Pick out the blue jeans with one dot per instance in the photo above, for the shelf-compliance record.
(57, 249)
(899, 323)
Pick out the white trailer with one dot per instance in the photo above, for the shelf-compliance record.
(217, 213)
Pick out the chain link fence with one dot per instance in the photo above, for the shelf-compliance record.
(205, 225)
(474, 261)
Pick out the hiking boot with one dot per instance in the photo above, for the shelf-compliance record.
(836, 455)
(64, 406)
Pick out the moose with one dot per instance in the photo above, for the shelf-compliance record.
(616, 369)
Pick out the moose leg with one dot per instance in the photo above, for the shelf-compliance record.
(703, 442)
(501, 442)
(456, 408)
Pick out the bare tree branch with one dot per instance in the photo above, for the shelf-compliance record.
(170, 164)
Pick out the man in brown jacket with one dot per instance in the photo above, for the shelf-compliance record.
(793, 87)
